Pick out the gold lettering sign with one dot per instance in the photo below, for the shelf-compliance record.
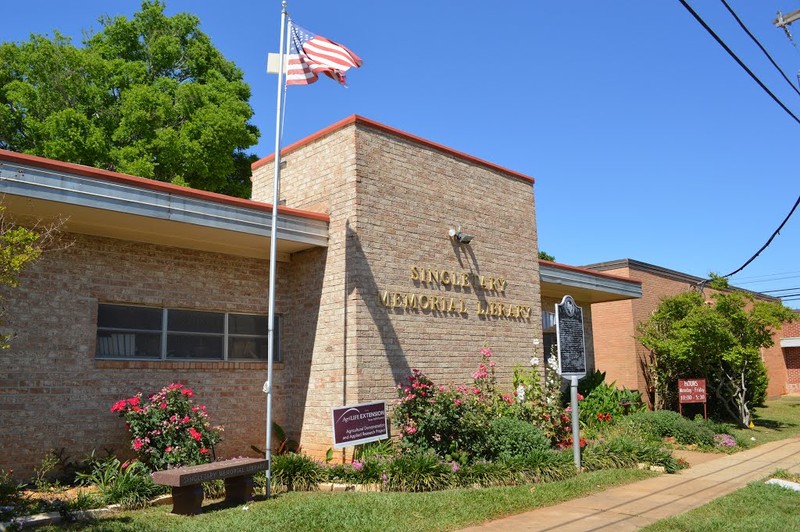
(455, 284)
(433, 277)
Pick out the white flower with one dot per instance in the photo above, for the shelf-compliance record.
(521, 393)
(534, 361)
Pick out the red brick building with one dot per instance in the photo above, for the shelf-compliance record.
(621, 356)
(165, 284)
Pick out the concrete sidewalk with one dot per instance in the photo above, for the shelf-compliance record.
(637, 505)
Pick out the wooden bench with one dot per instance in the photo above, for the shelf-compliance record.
(187, 493)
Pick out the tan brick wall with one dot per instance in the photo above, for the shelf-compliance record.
(54, 394)
(391, 202)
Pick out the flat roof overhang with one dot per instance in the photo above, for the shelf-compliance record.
(101, 203)
(790, 342)
(558, 280)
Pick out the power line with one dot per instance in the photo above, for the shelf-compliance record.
(768, 280)
(777, 231)
(747, 31)
(739, 61)
(771, 94)
(781, 290)
(768, 276)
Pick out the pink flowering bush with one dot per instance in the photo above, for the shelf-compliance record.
(168, 429)
(451, 421)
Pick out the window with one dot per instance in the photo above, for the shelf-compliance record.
(549, 334)
(148, 333)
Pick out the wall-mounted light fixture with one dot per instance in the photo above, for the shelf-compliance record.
(462, 238)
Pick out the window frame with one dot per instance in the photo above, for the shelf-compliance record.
(165, 333)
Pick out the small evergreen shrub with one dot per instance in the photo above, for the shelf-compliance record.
(511, 437)
(128, 484)
(418, 471)
(483, 474)
(296, 472)
(624, 451)
(666, 423)
(543, 466)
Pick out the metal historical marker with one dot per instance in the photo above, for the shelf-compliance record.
(569, 331)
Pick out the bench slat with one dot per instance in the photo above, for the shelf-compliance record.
(191, 475)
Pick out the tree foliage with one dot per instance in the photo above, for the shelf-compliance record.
(20, 246)
(150, 96)
(718, 339)
(543, 255)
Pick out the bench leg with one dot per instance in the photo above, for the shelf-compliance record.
(238, 490)
(187, 500)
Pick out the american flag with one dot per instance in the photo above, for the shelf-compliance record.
(310, 55)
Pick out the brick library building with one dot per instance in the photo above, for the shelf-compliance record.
(376, 275)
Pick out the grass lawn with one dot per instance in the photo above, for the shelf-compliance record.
(756, 507)
(442, 510)
(777, 420)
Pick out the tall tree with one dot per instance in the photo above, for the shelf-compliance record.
(150, 96)
(719, 339)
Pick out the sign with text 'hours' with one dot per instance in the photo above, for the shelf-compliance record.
(692, 391)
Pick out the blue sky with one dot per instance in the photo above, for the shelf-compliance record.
(645, 139)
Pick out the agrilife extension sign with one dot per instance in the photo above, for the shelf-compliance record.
(356, 424)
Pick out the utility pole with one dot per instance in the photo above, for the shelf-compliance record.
(784, 21)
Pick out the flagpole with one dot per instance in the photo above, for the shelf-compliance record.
(273, 251)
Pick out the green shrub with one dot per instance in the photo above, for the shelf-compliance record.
(607, 402)
(537, 402)
(381, 449)
(623, 451)
(167, 429)
(484, 474)
(213, 489)
(296, 472)
(666, 423)
(366, 470)
(10, 489)
(543, 466)
(418, 471)
(510, 437)
(128, 484)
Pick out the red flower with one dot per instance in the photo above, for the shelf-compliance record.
(168, 449)
(187, 392)
(203, 450)
(137, 444)
(580, 397)
(133, 401)
(608, 416)
(119, 406)
(196, 435)
(163, 406)
(600, 416)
